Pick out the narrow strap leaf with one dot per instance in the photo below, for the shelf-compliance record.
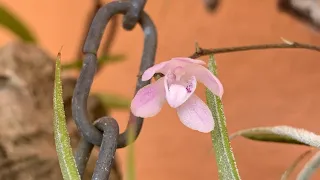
(131, 174)
(281, 134)
(310, 167)
(113, 101)
(292, 167)
(61, 136)
(227, 167)
(77, 64)
(12, 23)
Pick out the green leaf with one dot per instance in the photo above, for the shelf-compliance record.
(61, 136)
(113, 101)
(291, 168)
(280, 134)
(227, 167)
(15, 25)
(77, 64)
(310, 167)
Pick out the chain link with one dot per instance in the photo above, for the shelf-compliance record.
(105, 131)
(110, 129)
(131, 18)
(82, 155)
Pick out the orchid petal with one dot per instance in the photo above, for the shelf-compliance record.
(163, 67)
(189, 60)
(177, 94)
(149, 100)
(196, 115)
(204, 76)
(148, 74)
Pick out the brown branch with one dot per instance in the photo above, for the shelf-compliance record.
(204, 52)
(289, 45)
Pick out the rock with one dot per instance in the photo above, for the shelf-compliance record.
(27, 149)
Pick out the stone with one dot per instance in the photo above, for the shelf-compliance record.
(27, 149)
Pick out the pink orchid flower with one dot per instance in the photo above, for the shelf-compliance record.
(177, 87)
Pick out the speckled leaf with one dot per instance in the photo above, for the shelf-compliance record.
(280, 134)
(12, 23)
(61, 136)
(227, 167)
(310, 167)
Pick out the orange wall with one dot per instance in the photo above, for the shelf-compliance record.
(273, 87)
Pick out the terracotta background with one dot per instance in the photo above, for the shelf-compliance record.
(273, 87)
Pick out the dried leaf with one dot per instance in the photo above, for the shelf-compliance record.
(287, 41)
(280, 134)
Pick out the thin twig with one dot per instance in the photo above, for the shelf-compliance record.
(203, 52)
(287, 45)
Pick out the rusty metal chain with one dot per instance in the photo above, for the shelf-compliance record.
(104, 132)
